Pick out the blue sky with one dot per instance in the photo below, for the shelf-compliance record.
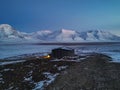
(34, 15)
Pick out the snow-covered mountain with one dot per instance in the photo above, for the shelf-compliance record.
(98, 35)
(75, 36)
(8, 33)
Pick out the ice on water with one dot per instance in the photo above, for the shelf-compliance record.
(113, 50)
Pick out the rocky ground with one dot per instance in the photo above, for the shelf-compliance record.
(97, 72)
(91, 72)
(34, 73)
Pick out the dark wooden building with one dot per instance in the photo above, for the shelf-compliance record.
(61, 52)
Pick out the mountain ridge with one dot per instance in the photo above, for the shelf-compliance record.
(7, 32)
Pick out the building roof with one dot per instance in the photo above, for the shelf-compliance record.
(64, 48)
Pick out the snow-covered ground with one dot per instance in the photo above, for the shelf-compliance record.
(113, 50)
(11, 62)
(51, 77)
(19, 49)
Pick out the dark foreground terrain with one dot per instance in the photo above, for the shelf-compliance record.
(26, 75)
(95, 72)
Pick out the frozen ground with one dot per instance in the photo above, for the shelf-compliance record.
(50, 78)
(14, 50)
(113, 50)
(11, 62)
(37, 72)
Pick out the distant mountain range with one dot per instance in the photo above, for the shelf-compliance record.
(8, 33)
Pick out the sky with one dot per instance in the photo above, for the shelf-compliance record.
(34, 15)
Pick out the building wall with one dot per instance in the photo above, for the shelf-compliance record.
(59, 53)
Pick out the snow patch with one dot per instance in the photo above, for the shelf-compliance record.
(51, 77)
(62, 68)
(11, 62)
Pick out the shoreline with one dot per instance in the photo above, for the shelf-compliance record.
(77, 43)
(63, 43)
